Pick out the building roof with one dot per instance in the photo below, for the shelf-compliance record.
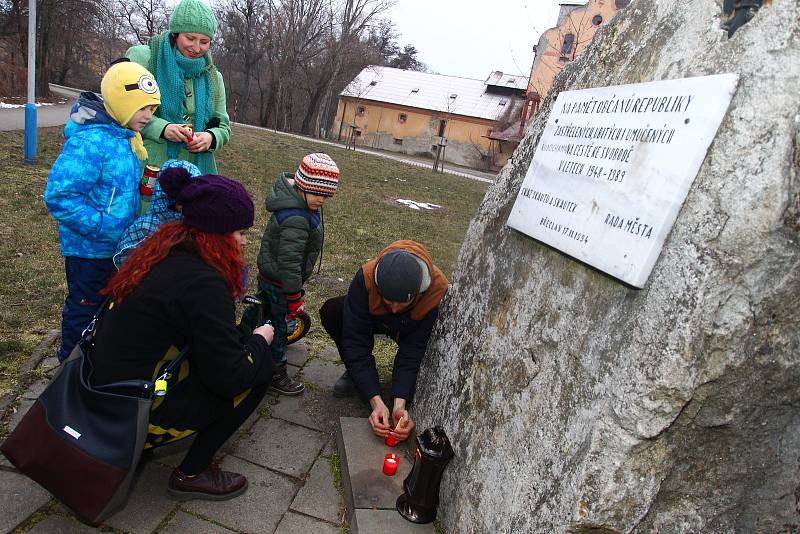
(500, 79)
(436, 92)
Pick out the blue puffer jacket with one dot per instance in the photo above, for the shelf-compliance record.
(93, 186)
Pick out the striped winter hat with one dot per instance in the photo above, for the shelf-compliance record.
(317, 175)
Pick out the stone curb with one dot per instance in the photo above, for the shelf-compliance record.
(31, 363)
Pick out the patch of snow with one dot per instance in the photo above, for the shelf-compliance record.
(413, 204)
(4, 105)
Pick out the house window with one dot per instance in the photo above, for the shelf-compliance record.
(569, 42)
(361, 111)
(597, 20)
(402, 118)
(398, 141)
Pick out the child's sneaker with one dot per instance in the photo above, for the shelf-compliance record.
(283, 384)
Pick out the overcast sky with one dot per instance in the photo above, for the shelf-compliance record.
(471, 38)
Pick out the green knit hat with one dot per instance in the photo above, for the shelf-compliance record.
(193, 16)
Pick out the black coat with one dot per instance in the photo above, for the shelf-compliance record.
(182, 301)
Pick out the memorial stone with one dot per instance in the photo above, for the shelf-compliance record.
(577, 402)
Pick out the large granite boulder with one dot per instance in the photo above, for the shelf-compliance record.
(578, 404)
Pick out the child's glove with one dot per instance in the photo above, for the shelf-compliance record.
(294, 305)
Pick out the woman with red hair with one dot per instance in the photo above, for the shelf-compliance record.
(177, 290)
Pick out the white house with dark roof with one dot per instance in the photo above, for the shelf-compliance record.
(425, 114)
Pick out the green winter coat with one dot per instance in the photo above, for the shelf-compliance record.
(155, 144)
(292, 241)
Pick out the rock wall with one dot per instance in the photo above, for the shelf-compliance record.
(578, 404)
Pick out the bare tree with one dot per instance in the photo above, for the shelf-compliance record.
(143, 18)
(243, 40)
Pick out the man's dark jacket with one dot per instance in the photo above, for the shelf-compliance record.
(365, 316)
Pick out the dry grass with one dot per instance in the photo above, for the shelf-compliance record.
(360, 220)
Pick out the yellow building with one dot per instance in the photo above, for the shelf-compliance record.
(429, 115)
(574, 30)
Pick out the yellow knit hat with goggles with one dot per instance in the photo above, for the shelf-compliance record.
(126, 88)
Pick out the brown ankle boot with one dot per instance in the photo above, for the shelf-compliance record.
(283, 384)
(213, 484)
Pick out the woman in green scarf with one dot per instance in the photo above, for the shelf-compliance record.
(192, 90)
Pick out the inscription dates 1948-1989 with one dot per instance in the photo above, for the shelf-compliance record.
(592, 171)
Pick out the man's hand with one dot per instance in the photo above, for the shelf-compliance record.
(402, 420)
(200, 142)
(177, 133)
(379, 418)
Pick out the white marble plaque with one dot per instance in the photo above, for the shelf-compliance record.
(614, 166)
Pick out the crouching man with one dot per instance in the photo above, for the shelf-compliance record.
(396, 294)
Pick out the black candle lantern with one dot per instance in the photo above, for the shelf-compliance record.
(421, 486)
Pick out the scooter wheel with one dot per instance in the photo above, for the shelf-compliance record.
(302, 326)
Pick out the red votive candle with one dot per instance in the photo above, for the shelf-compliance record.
(390, 440)
(390, 463)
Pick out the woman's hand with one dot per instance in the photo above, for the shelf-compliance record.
(177, 133)
(201, 142)
(266, 331)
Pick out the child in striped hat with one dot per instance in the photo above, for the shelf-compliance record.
(290, 246)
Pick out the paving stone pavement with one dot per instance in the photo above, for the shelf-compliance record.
(283, 451)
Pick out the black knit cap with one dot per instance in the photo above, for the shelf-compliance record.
(398, 276)
(210, 203)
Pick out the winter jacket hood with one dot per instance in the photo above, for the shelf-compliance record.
(426, 300)
(283, 195)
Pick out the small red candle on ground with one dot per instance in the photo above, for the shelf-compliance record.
(390, 463)
(390, 440)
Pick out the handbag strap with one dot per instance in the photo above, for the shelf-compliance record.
(174, 364)
(90, 329)
(88, 334)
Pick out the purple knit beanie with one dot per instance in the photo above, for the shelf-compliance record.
(210, 203)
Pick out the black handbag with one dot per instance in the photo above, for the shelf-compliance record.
(82, 443)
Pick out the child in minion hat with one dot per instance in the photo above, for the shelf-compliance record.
(92, 189)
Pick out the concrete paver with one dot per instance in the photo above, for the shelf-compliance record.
(181, 523)
(323, 373)
(281, 446)
(19, 498)
(259, 509)
(49, 365)
(148, 502)
(318, 497)
(170, 455)
(35, 389)
(60, 524)
(362, 454)
(281, 450)
(291, 409)
(299, 524)
(330, 354)
(297, 354)
(380, 521)
(19, 413)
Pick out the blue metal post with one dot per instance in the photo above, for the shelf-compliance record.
(30, 106)
(30, 132)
